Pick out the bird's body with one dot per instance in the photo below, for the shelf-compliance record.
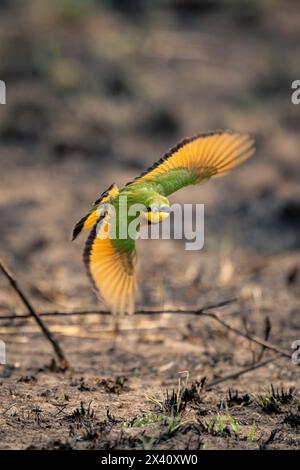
(110, 251)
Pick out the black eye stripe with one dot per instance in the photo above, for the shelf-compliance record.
(158, 209)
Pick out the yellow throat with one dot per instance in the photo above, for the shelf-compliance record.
(155, 217)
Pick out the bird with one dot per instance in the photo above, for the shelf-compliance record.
(109, 258)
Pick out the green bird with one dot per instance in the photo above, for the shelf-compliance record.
(109, 258)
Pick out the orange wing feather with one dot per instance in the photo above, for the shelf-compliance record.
(110, 270)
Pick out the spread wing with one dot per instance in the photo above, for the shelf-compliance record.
(110, 264)
(93, 216)
(196, 159)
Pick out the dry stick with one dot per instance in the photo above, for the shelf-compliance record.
(240, 372)
(268, 328)
(194, 311)
(57, 348)
(200, 311)
(253, 338)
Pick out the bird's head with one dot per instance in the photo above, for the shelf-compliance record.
(157, 210)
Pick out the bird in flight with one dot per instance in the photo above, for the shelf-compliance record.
(110, 258)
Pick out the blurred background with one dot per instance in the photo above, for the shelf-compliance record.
(97, 90)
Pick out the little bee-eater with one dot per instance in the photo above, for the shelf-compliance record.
(109, 258)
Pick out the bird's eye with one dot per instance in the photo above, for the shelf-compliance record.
(165, 209)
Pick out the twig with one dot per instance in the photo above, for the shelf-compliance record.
(203, 311)
(191, 311)
(56, 346)
(267, 331)
(253, 338)
(240, 372)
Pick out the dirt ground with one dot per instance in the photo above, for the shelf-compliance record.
(95, 94)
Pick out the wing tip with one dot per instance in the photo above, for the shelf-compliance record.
(185, 141)
(78, 228)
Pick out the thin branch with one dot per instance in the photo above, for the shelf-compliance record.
(190, 311)
(202, 311)
(56, 346)
(253, 338)
(267, 331)
(240, 372)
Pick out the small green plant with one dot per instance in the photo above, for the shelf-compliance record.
(217, 425)
(221, 425)
(252, 433)
(172, 424)
(145, 420)
(234, 425)
(147, 442)
(269, 404)
(175, 402)
(271, 401)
